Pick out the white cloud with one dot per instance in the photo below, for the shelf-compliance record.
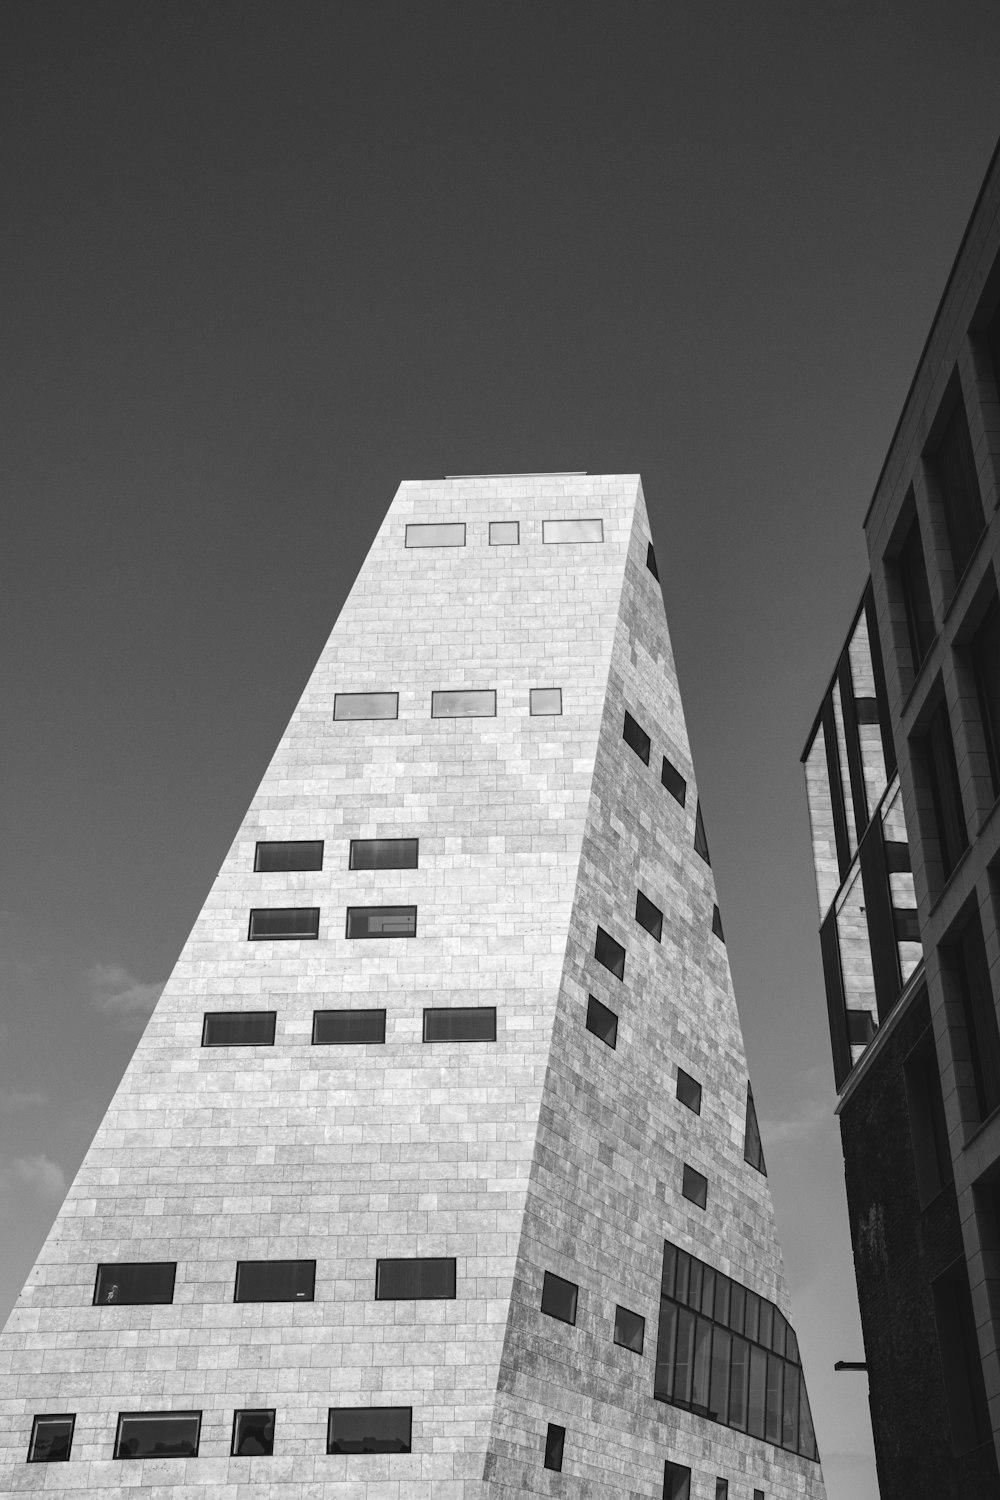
(15, 1099)
(116, 993)
(35, 1176)
(808, 1118)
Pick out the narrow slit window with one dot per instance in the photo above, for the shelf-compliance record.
(559, 1297)
(602, 1022)
(381, 921)
(130, 1283)
(753, 1151)
(347, 1027)
(158, 1434)
(384, 854)
(636, 738)
(700, 839)
(545, 700)
(281, 855)
(674, 781)
(435, 534)
(458, 1023)
(649, 916)
(694, 1187)
(651, 562)
(423, 1279)
(238, 1028)
(689, 1091)
(591, 530)
(555, 1442)
(275, 1281)
(717, 924)
(366, 706)
(369, 1429)
(630, 1329)
(464, 703)
(51, 1439)
(609, 953)
(505, 533)
(253, 1433)
(281, 923)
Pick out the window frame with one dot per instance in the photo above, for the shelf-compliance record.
(349, 1041)
(441, 693)
(253, 1411)
(554, 1284)
(210, 1016)
(592, 1001)
(413, 845)
(455, 1010)
(282, 937)
(51, 1417)
(152, 1416)
(388, 1265)
(332, 1411)
(544, 713)
(425, 526)
(378, 936)
(618, 970)
(339, 718)
(571, 541)
(135, 1266)
(241, 1265)
(260, 869)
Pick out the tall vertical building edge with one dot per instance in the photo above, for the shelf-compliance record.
(903, 778)
(436, 1171)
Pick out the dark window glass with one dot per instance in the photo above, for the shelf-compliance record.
(956, 471)
(739, 1374)
(602, 1022)
(986, 665)
(928, 1128)
(753, 1151)
(694, 1187)
(161, 1434)
(916, 596)
(369, 1429)
(723, 1293)
(708, 1291)
(946, 795)
(701, 1367)
(737, 1307)
(636, 738)
(905, 924)
(718, 1393)
(772, 1406)
(454, 1023)
(555, 1442)
(700, 838)
(464, 703)
(790, 1412)
(689, 1091)
(756, 1391)
(559, 1297)
(722, 1489)
(759, 1495)
(860, 1027)
(381, 921)
(684, 1357)
(609, 953)
(284, 922)
(365, 705)
(649, 916)
(651, 562)
(348, 1027)
(695, 1280)
(253, 1433)
(123, 1283)
(807, 1435)
(426, 1279)
(970, 968)
(290, 854)
(275, 1280)
(866, 710)
(676, 1482)
(767, 1312)
(683, 1275)
(384, 854)
(717, 924)
(751, 1321)
(51, 1439)
(630, 1329)
(238, 1028)
(674, 781)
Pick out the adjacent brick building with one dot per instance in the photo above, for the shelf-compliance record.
(436, 1172)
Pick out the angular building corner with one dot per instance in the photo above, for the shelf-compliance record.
(436, 1170)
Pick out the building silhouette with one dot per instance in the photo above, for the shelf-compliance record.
(903, 776)
(436, 1171)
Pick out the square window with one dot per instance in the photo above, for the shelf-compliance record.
(464, 703)
(505, 533)
(636, 738)
(366, 706)
(159, 1434)
(253, 1433)
(602, 1022)
(674, 781)
(717, 923)
(283, 923)
(238, 1028)
(689, 1091)
(369, 1429)
(454, 1023)
(694, 1187)
(649, 916)
(573, 531)
(288, 854)
(609, 953)
(676, 1482)
(630, 1329)
(426, 1279)
(436, 534)
(275, 1281)
(555, 1442)
(51, 1439)
(651, 562)
(348, 1027)
(132, 1283)
(381, 921)
(559, 1297)
(545, 700)
(384, 854)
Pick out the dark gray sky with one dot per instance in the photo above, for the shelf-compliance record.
(260, 263)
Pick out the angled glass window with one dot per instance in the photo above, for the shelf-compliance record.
(602, 1022)
(275, 1281)
(555, 1442)
(545, 700)
(700, 839)
(369, 1429)
(609, 953)
(288, 854)
(279, 923)
(649, 916)
(676, 1481)
(717, 924)
(636, 738)
(458, 1023)
(955, 465)
(689, 1091)
(436, 534)
(674, 781)
(573, 531)
(630, 1329)
(505, 533)
(559, 1297)
(348, 1027)
(424, 1279)
(366, 706)
(253, 1433)
(464, 703)
(651, 562)
(753, 1151)
(158, 1434)
(238, 1028)
(381, 921)
(51, 1439)
(384, 854)
(129, 1283)
(694, 1187)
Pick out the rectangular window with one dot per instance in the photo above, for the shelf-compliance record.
(609, 953)
(369, 1429)
(753, 1151)
(955, 464)
(636, 738)
(416, 1278)
(759, 1495)
(555, 1442)
(238, 1028)
(722, 1489)
(275, 1281)
(970, 970)
(573, 531)
(916, 596)
(630, 1329)
(505, 533)
(545, 700)
(772, 1407)
(278, 923)
(676, 1482)
(253, 1433)
(986, 666)
(435, 534)
(464, 703)
(694, 1187)
(51, 1439)
(928, 1128)
(456, 1023)
(381, 921)
(332, 1028)
(158, 1434)
(280, 855)
(689, 1091)
(602, 1022)
(366, 706)
(649, 916)
(651, 562)
(960, 1363)
(559, 1297)
(674, 782)
(384, 854)
(757, 1391)
(946, 794)
(717, 924)
(129, 1283)
(700, 840)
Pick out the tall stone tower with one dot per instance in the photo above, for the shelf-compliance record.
(436, 1172)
